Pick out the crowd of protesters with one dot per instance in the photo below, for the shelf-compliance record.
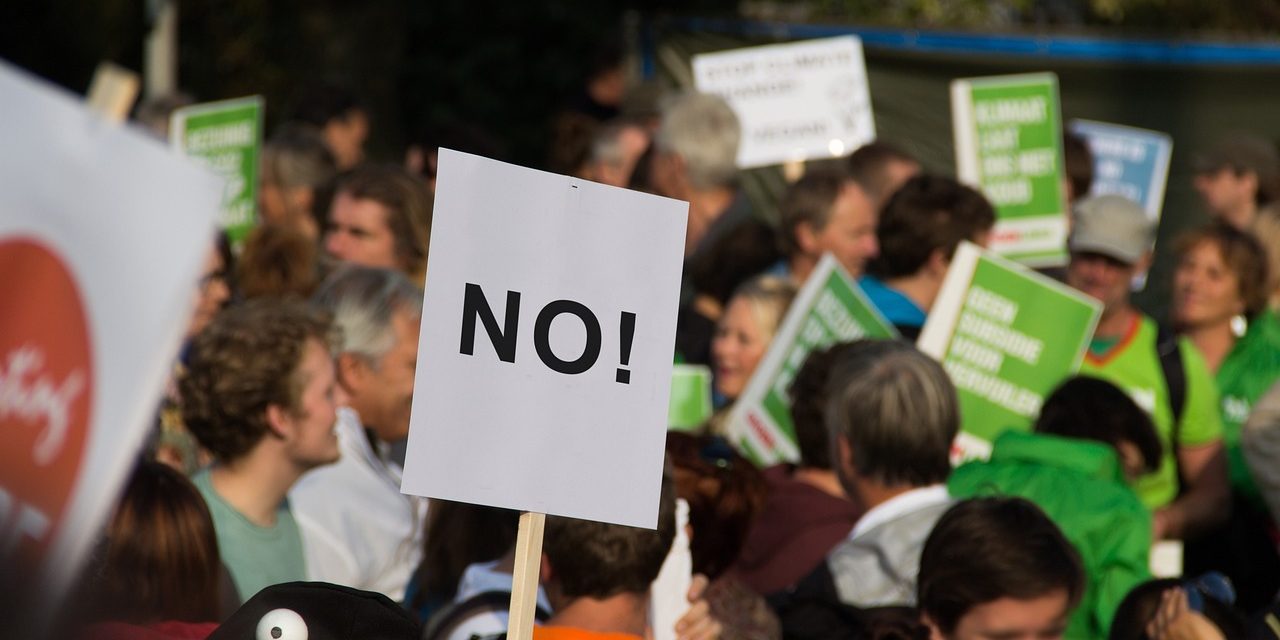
(269, 492)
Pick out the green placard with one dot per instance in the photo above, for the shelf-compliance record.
(830, 308)
(227, 136)
(1009, 144)
(690, 403)
(1007, 336)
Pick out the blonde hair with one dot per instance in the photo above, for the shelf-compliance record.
(769, 298)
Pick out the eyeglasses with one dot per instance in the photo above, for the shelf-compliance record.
(1210, 585)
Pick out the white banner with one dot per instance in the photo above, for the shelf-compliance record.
(102, 235)
(796, 101)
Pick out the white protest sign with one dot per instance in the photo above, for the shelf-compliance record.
(795, 101)
(548, 335)
(102, 235)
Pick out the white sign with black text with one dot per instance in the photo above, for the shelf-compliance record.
(796, 101)
(548, 331)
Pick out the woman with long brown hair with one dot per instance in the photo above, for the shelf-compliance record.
(158, 567)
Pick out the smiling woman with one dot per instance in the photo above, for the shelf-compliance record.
(746, 329)
(1220, 293)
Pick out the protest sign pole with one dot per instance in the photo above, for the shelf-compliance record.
(112, 91)
(524, 578)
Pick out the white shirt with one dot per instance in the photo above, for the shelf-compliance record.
(898, 505)
(357, 528)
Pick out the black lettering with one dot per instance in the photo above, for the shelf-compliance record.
(542, 337)
(504, 341)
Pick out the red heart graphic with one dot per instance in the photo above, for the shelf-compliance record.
(46, 397)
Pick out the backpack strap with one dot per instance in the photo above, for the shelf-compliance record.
(1175, 377)
(447, 620)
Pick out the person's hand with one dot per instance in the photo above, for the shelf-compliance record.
(1174, 620)
(697, 623)
(1165, 524)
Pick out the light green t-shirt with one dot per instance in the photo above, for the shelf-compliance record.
(257, 557)
(1134, 366)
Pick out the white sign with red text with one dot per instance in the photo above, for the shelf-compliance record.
(102, 233)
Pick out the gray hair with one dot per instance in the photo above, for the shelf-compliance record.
(606, 147)
(704, 130)
(897, 410)
(363, 301)
(296, 156)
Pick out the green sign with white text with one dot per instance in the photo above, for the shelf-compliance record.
(830, 308)
(1008, 133)
(1007, 336)
(227, 137)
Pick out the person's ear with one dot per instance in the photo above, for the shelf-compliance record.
(353, 371)
(1131, 461)
(1143, 263)
(937, 264)
(934, 632)
(1250, 180)
(545, 571)
(845, 452)
(279, 421)
(806, 238)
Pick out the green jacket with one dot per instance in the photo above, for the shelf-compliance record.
(1080, 485)
(1248, 372)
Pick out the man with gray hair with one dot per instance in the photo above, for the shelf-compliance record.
(357, 528)
(617, 146)
(695, 160)
(892, 414)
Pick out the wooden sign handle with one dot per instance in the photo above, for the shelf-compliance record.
(113, 91)
(524, 580)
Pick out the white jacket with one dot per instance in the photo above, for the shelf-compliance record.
(357, 528)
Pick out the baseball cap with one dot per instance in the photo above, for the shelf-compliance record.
(1113, 226)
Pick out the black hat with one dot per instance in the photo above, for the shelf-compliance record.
(319, 611)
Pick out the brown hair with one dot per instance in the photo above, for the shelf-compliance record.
(725, 492)
(1243, 255)
(600, 560)
(810, 201)
(929, 213)
(868, 166)
(247, 359)
(408, 205)
(457, 535)
(278, 261)
(985, 549)
(1077, 161)
(809, 403)
(161, 559)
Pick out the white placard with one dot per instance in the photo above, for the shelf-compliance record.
(669, 593)
(102, 236)
(796, 101)
(527, 395)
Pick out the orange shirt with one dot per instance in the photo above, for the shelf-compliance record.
(545, 632)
